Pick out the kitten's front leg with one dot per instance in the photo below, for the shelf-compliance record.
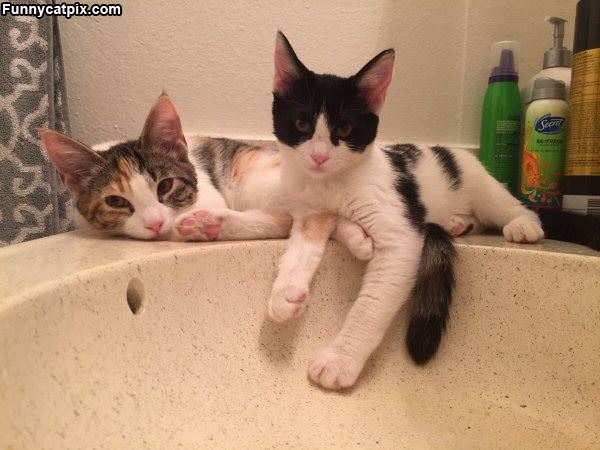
(255, 224)
(201, 225)
(228, 225)
(388, 281)
(354, 237)
(298, 264)
(461, 224)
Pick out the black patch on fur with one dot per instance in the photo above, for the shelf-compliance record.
(431, 296)
(446, 158)
(402, 157)
(571, 227)
(228, 148)
(467, 230)
(337, 98)
(207, 159)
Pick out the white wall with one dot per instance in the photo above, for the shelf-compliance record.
(215, 59)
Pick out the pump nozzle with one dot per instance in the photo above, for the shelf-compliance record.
(557, 56)
(559, 30)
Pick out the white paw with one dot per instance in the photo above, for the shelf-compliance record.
(455, 225)
(287, 301)
(362, 248)
(333, 369)
(198, 226)
(523, 230)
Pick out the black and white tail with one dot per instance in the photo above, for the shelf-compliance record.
(431, 297)
(571, 227)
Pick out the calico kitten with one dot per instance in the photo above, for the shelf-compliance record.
(165, 185)
(402, 196)
(159, 187)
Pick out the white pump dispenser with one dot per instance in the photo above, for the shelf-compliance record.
(557, 61)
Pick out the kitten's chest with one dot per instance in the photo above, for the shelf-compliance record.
(377, 210)
(374, 206)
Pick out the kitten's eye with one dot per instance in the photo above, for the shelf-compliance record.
(302, 125)
(116, 201)
(165, 186)
(344, 130)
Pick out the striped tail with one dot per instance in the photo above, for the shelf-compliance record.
(431, 297)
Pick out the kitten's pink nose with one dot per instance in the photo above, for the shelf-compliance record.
(319, 159)
(155, 226)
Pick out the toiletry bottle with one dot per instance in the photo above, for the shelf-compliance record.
(582, 183)
(544, 145)
(501, 117)
(557, 61)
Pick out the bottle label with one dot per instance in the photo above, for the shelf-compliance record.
(543, 160)
(506, 152)
(583, 149)
(588, 205)
(548, 124)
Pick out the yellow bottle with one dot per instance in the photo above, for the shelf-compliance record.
(582, 183)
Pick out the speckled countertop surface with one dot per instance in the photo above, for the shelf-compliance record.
(202, 367)
(32, 264)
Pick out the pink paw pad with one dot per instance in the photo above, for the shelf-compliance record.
(186, 232)
(212, 231)
(300, 299)
(188, 222)
(456, 230)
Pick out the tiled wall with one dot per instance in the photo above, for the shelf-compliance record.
(215, 59)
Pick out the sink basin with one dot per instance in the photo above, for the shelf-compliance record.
(122, 344)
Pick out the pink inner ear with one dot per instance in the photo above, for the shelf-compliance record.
(376, 98)
(279, 84)
(72, 159)
(376, 81)
(163, 127)
(285, 67)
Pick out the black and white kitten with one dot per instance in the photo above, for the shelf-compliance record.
(402, 196)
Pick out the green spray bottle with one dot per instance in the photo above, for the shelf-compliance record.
(501, 117)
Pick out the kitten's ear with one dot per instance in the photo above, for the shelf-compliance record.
(73, 160)
(374, 79)
(163, 127)
(288, 68)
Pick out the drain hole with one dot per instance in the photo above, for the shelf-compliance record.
(135, 296)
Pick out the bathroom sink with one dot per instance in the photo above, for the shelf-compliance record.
(110, 343)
